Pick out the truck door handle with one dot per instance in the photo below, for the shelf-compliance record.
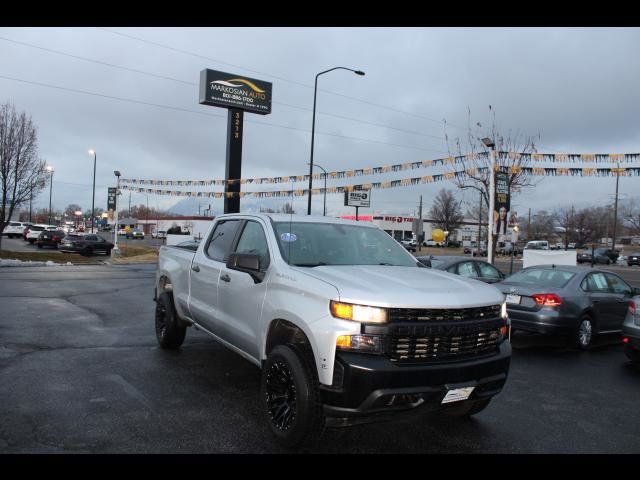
(195, 268)
(225, 278)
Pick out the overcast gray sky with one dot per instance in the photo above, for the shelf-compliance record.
(578, 87)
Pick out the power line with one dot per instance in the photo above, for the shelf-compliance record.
(186, 52)
(185, 82)
(169, 107)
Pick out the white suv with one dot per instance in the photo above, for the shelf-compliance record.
(15, 229)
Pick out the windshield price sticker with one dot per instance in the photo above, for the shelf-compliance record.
(288, 237)
(457, 394)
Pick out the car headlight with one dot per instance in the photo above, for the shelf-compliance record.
(358, 313)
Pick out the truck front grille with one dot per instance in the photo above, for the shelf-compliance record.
(439, 335)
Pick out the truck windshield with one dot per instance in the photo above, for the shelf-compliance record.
(308, 244)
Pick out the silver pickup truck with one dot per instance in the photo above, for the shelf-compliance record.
(345, 324)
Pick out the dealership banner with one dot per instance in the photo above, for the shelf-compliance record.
(403, 182)
(382, 169)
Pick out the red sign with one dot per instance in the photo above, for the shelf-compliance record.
(364, 218)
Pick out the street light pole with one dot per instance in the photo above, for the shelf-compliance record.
(50, 170)
(313, 128)
(324, 206)
(115, 252)
(93, 198)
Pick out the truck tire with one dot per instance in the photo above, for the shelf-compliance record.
(169, 332)
(466, 409)
(290, 397)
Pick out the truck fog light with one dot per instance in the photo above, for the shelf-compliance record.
(362, 343)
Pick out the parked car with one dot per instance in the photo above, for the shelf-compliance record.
(567, 300)
(598, 257)
(476, 269)
(631, 331)
(467, 250)
(35, 230)
(85, 244)
(432, 243)
(410, 245)
(50, 238)
(344, 323)
(537, 245)
(612, 255)
(15, 229)
(633, 259)
(159, 234)
(136, 234)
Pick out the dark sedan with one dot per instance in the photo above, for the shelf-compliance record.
(464, 266)
(85, 244)
(633, 259)
(50, 238)
(567, 300)
(598, 257)
(631, 332)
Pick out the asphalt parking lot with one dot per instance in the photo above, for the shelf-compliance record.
(80, 371)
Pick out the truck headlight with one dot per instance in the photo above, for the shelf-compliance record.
(358, 313)
(503, 311)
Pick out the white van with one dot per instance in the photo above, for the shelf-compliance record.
(537, 245)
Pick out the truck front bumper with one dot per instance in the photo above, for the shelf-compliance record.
(370, 386)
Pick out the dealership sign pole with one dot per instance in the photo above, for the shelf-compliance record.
(357, 198)
(237, 94)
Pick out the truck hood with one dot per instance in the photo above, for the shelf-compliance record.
(405, 287)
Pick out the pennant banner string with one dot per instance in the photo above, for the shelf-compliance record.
(404, 182)
(500, 156)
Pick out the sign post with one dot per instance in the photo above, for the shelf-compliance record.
(357, 198)
(237, 94)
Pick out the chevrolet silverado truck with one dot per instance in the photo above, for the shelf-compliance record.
(345, 324)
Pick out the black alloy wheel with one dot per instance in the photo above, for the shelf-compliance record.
(291, 397)
(281, 395)
(169, 332)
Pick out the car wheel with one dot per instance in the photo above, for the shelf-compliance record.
(585, 333)
(632, 354)
(169, 332)
(466, 409)
(291, 398)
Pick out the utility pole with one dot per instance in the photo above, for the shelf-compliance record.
(420, 226)
(615, 210)
(529, 226)
(479, 224)
(129, 213)
(492, 193)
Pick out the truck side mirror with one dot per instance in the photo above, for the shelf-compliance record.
(248, 263)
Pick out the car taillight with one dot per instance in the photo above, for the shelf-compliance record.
(632, 307)
(547, 299)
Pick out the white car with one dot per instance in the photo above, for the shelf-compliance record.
(15, 229)
(159, 234)
(35, 230)
(344, 323)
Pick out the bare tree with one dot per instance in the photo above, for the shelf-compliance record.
(476, 159)
(543, 226)
(631, 215)
(22, 172)
(446, 212)
(476, 156)
(565, 219)
(71, 210)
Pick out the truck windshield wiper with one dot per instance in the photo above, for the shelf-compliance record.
(316, 264)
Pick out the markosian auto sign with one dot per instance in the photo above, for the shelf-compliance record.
(220, 89)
